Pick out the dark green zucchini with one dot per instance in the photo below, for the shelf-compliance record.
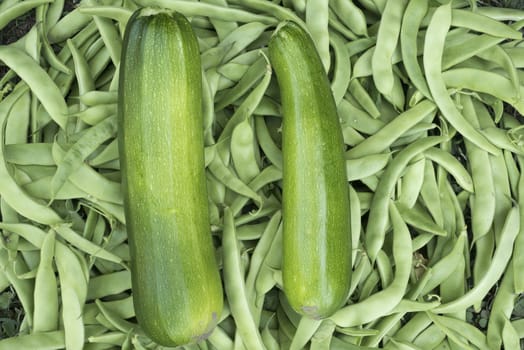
(316, 264)
(176, 284)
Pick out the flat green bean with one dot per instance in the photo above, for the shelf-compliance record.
(378, 220)
(9, 189)
(86, 144)
(73, 282)
(18, 9)
(412, 18)
(433, 48)
(317, 15)
(375, 306)
(235, 286)
(351, 15)
(483, 24)
(382, 139)
(358, 168)
(387, 38)
(411, 183)
(485, 82)
(495, 270)
(342, 68)
(37, 79)
(501, 309)
(452, 166)
(44, 340)
(45, 316)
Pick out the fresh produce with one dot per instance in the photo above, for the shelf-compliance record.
(429, 95)
(316, 262)
(177, 291)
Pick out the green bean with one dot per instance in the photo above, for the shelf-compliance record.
(503, 197)
(342, 67)
(351, 114)
(418, 217)
(73, 283)
(485, 82)
(261, 250)
(235, 286)
(87, 246)
(411, 183)
(271, 151)
(233, 71)
(431, 338)
(43, 340)
(358, 168)
(483, 199)
(267, 176)
(376, 227)
(18, 9)
(116, 13)
(452, 327)
(46, 49)
(96, 114)
(86, 144)
(68, 26)
(484, 247)
(412, 18)
(13, 268)
(501, 309)
(351, 15)
(210, 10)
(321, 340)
(255, 71)
(510, 336)
(9, 189)
(305, 330)
(248, 105)
(384, 268)
(45, 316)
(483, 24)
(452, 166)
(93, 98)
(369, 285)
(316, 18)
(387, 38)
(361, 95)
(495, 270)
(228, 178)
(29, 154)
(39, 82)
(374, 306)
(83, 75)
(116, 321)
(382, 139)
(433, 48)
(108, 284)
(503, 139)
(17, 125)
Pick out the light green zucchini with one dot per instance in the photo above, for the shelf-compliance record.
(175, 279)
(316, 264)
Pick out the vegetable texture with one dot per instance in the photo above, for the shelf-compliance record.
(317, 246)
(176, 285)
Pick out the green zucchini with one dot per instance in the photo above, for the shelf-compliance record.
(176, 285)
(316, 263)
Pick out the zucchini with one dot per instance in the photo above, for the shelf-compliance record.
(176, 285)
(316, 265)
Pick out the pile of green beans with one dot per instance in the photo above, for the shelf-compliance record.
(430, 95)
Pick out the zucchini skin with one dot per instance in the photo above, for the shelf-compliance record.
(316, 265)
(176, 285)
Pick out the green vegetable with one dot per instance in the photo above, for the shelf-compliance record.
(316, 226)
(176, 285)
